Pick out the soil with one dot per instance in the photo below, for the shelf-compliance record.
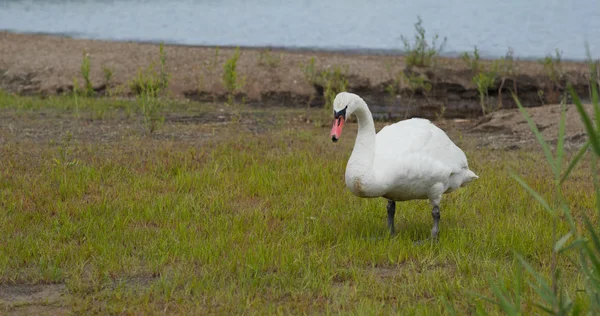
(25, 299)
(44, 64)
(33, 64)
(510, 125)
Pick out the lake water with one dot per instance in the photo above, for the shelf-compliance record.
(532, 28)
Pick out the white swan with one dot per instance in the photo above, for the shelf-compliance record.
(411, 159)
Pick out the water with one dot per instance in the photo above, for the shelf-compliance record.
(532, 28)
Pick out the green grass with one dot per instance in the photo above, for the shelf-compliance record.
(250, 221)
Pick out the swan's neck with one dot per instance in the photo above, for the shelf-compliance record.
(359, 172)
(364, 146)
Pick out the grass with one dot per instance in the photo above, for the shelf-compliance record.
(250, 216)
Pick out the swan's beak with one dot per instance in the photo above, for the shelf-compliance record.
(336, 130)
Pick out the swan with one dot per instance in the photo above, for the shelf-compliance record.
(409, 160)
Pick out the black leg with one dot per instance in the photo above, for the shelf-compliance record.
(391, 210)
(435, 213)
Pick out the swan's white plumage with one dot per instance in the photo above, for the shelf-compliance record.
(417, 160)
(411, 159)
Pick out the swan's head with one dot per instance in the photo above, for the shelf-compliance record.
(344, 105)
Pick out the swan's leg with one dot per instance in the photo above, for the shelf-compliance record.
(391, 210)
(435, 213)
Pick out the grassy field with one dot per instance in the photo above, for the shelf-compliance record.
(237, 210)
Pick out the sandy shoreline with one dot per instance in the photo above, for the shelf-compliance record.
(44, 64)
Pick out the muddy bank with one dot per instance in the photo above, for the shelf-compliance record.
(42, 64)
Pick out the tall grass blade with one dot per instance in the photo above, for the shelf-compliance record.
(503, 301)
(544, 308)
(575, 161)
(518, 288)
(542, 287)
(575, 244)
(592, 231)
(592, 273)
(538, 135)
(489, 300)
(562, 241)
(596, 104)
(449, 307)
(560, 141)
(585, 118)
(533, 193)
(594, 163)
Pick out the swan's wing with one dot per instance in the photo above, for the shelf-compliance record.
(404, 137)
(419, 138)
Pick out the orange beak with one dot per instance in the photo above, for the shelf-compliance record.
(336, 130)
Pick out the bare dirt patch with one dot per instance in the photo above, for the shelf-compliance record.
(40, 299)
(42, 64)
(509, 127)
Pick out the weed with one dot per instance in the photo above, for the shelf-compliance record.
(507, 65)
(152, 81)
(63, 158)
(484, 81)
(164, 75)
(555, 76)
(412, 82)
(108, 74)
(266, 59)
(594, 68)
(63, 162)
(75, 97)
(151, 107)
(148, 86)
(85, 69)
(334, 81)
(231, 80)
(394, 87)
(421, 53)
(506, 70)
(472, 61)
(552, 67)
(309, 71)
(440, 115)
(416, 82)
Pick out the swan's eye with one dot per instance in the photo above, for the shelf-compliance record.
(341, 113)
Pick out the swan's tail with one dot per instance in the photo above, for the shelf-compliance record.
(470, 176)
